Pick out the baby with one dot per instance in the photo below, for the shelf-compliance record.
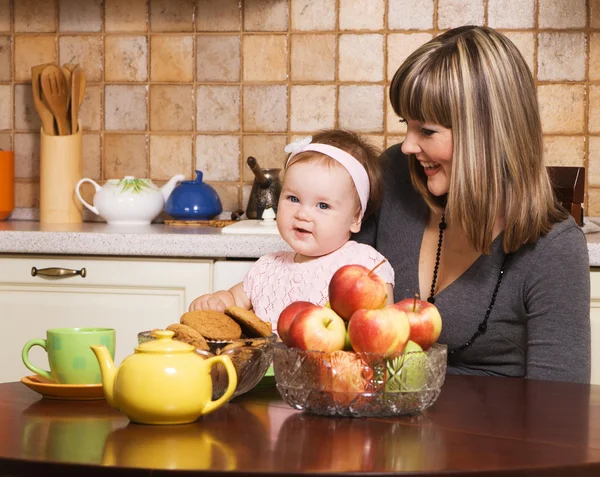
(331, 183)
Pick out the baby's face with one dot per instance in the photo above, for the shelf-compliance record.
(317, 208)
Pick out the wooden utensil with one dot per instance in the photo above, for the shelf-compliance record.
(77, 94)
(41, 107)
(54, 87)
(67, 72)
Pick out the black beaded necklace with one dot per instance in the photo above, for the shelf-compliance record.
(482, 328)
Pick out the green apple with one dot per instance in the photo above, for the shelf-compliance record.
(407, 372)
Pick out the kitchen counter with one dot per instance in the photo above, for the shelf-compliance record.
(156, 240)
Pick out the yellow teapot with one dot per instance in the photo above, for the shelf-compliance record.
(163, 382)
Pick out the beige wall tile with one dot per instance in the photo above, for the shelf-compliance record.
(511, 13)
(361, 108)
(312, 107)
(594, 167)
(593, 208)
(525, 42)
(172, 15)
(562, 108)
(454, 13)
(375, 140)
(218, 157)
(268, 151)
(27, 194)
(410, 15)
(561, 56)
(171, 58)
(562, 14)
(265, 15)
(26, 116)
(120, 16)
(5, 59)
(171, 108)
(594, 71)
(393, 140)
(218, 108)
(27, 155)
(92, 159)
(35, 16)
(313, 57)
(229, 195)
(361, 14)
(246, 189)
(399, 46)
(125, 155)
(126, 58)
(361, 57)
(5, 15)
(170, 155)
(265, 57)
(594, 110)
(265, 108)
(6, 106)
(84, 50)
(564, 150)
(126, 108)
(6, 141)
(90, 113)
(76, 15)
(218, 58)
(594, 14)
(218, 15)
(393, 124)
(31, 50)
(313, 15)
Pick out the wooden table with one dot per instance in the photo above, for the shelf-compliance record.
(512, 427)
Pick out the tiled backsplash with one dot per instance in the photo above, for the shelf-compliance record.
(179, 85)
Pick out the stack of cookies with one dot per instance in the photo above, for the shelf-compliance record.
(200, 327)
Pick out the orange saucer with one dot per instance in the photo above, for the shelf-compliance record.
(69, 392)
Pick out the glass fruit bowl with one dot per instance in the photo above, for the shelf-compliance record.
(251, 358)
(344, 383)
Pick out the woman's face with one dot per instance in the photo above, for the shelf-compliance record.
(432, 145)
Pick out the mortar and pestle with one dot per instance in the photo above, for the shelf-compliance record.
(265, 191)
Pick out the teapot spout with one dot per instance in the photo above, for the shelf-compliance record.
(109, 373)
(169, 186)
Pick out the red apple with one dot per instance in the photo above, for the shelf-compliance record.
(384, 331)
(286, 317)
(317, 328)
(354, 287)
(425, 321)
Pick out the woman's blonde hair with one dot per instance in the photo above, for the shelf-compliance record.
(474, 81)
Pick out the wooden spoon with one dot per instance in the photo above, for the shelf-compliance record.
(54, 87)
(77, 95)
(67, 72)
(41, 107)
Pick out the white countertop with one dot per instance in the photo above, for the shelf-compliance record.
(157, 240)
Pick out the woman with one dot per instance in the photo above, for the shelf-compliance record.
(469, 219)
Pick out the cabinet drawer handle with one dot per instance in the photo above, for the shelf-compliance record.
(57, 272)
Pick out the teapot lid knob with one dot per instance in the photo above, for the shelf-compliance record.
(164, 344)
(198, 177)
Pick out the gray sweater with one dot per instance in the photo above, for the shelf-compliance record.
(539, 327)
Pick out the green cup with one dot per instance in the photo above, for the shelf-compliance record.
(69, 354)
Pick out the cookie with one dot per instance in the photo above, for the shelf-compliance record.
(212, 325)
(188, 335)
(252, 325)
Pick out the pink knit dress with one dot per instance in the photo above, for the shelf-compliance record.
(276, 280)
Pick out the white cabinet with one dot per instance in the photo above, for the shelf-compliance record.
(595, 324)
(128, 294)
(229, 272)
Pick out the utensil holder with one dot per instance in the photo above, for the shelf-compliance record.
(7, 183)
(60, 170)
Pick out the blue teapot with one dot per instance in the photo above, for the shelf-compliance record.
(193, 200)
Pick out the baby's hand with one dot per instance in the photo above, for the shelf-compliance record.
(208, 302)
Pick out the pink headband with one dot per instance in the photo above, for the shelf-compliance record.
(356, 170)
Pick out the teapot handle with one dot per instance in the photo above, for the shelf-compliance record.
(232, 378)
(95, 184)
